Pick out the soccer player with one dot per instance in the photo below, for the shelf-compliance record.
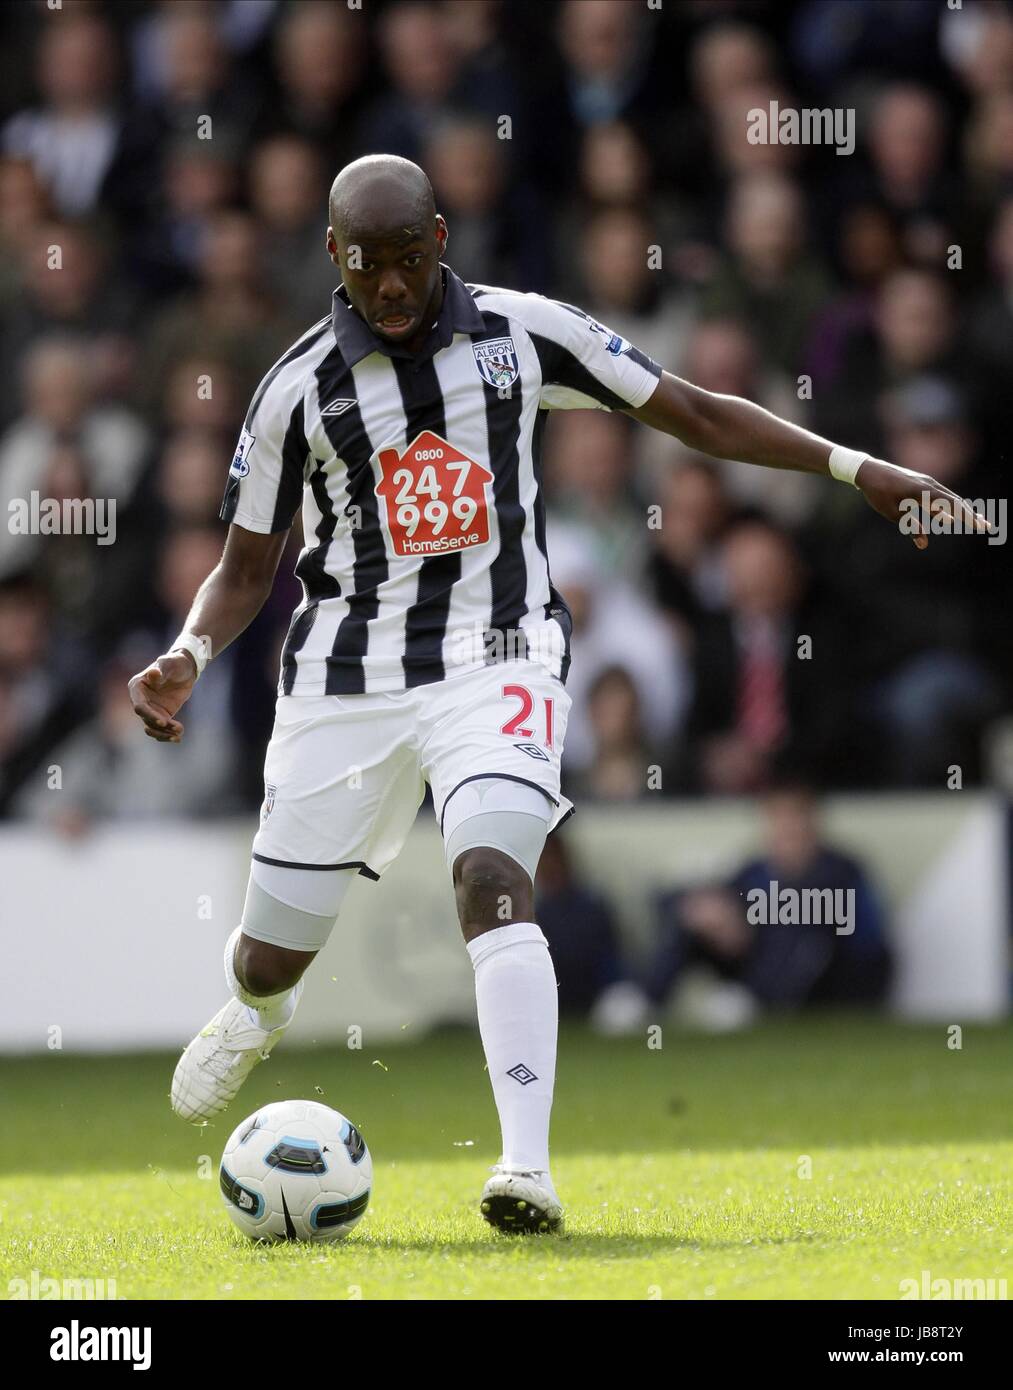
(430, 645)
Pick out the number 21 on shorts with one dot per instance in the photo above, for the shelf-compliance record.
(519, 724)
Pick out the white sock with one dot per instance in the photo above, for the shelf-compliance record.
(518, 1014)
(266, 1011)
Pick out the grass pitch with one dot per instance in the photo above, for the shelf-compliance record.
(683, 1170)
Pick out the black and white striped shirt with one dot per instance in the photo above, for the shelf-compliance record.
(420, 482)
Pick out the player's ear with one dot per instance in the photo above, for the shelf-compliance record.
(332, 246)
(442, 236)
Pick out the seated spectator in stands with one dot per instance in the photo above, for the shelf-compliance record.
(769, 669)
(189, 479)
(72, 136)
(230, 314)
(43, 672)
(867, 249)
(907, 151)
(61, 418)
(927, 666)
(589, 483)
(322, 69)
(421, 67)
(202, 392)
(107, 771)
(620, 286)
(579, 926)
(199, 180)
(67, 288)
(915, 331)
(723, 356)
(613, 622)
(498, 233)
(24, 206)
(621, 767)
(769, 280)
(685, 568)
(288, 188)
(799, 925)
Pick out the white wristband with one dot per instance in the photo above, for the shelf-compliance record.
(845, 463)
(198, 647)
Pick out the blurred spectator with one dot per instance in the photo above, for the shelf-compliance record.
(71, 137)
(620, 767)
(623, 287)
(41, 690)
(579, 927)
(288, 193)
(110, 769)
(751, 934)
(230, 315)
(65, 288)
(922, 626)
(320, 58)
(589, 482)
(685, 567)
(497, 239)
(23, 206)
(613, 625)
(421, 65)
(770, 282)
(764, 669)
(722, 356)
(64, 427)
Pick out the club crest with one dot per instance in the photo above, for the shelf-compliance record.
(497, 362)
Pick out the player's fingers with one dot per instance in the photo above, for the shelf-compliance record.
(957, 509)
(156, 719)
(164, 735)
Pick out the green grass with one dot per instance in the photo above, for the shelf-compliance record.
(680, 1169)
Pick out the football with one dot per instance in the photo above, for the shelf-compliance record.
(296, 1170)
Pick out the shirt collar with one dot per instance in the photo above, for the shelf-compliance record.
(458, 314)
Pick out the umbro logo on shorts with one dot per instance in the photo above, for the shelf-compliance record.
(533, 751)
(337, 407)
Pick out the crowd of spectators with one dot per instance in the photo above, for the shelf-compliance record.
(593, 150)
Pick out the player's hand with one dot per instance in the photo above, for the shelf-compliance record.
(158, 691)
(914, 498)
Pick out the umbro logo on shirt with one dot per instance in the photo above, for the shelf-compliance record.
(337, 407)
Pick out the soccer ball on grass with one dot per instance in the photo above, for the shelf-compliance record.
(296, 1170)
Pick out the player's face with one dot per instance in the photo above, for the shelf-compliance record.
(393, 280)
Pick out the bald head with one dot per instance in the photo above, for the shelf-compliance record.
(387, 240)
(381, 195)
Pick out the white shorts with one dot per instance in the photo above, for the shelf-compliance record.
(345, 774)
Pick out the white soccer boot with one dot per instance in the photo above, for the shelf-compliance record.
(521, 1202)
(219, 1060)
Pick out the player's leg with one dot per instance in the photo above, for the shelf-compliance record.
(265, 958)
(343, 787)
(494, 818)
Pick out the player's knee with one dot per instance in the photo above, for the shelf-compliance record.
(264, 969)
(492, 889)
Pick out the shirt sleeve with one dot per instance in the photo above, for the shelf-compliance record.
(265, 482)
(584, 363)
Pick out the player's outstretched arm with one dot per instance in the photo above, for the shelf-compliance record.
(226, 603)
(732, 428)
